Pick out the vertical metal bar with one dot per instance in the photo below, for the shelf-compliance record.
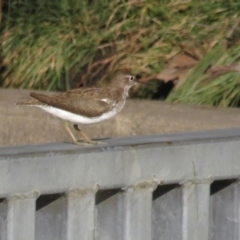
(21, 217)
(80, 214)
(236, 201)
(138, 212)
(195, 222)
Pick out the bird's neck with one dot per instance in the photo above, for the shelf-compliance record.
(123, 91)
(126, 91)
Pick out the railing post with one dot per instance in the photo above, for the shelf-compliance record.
(21, 216)
(195, 218)
(138, 211)
(80, 214)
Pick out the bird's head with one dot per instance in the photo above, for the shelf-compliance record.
(124, 79)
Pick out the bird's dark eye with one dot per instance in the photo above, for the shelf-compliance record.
(131, 78)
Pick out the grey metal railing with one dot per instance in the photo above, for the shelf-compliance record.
(169, 187)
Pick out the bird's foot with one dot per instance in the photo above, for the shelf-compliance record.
(86, 139)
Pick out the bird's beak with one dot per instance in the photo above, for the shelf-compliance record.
(138, 77)
(139, 82)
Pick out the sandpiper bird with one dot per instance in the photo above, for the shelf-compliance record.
(87, 105)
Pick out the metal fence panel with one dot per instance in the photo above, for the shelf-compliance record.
(151, 188)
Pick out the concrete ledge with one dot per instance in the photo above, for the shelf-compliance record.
(26, 125)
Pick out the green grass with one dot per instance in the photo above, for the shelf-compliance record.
(199, 88)
(44, 44)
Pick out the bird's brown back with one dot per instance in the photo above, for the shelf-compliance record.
(89, 102)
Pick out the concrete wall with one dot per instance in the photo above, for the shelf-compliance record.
(27, 125)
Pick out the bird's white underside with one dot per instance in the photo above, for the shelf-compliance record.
(75, 118)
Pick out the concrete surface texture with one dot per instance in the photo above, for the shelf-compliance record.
(21, 125)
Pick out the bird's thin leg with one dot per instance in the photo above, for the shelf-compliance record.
(66, 124)
(85, 137)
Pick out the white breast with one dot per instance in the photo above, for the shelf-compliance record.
(77, 119)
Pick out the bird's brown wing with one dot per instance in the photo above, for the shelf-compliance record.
(86, 102)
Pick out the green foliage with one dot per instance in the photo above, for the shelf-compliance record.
(222, 90)
(44, 44)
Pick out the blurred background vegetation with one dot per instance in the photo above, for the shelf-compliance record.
(188, 50)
